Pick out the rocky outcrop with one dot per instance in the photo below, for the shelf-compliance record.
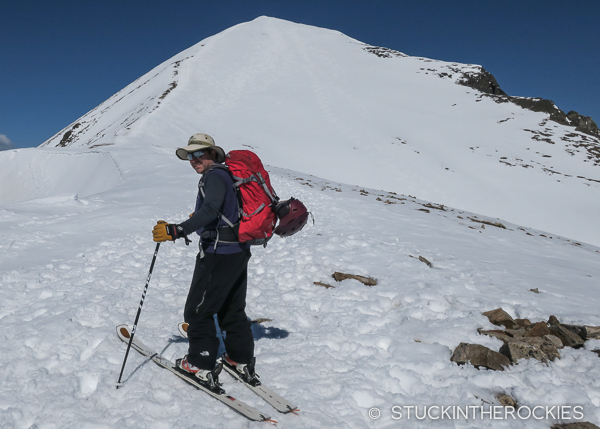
(500, 317)
(523, 339)
(583, 123)
(479, 356)
(482, 81)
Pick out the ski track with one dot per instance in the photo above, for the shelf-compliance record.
(334, 352)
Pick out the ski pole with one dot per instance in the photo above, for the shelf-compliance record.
(137, 317)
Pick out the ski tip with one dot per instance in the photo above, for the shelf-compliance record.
(123, 332)
(183, 327)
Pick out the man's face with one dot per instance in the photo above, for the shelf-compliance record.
(201, 163)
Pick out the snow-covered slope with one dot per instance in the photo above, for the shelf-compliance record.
(317, 101)
(72, 268)
(75, 241)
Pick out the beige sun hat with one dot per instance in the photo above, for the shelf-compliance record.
(197, 142)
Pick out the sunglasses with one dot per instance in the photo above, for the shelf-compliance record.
(196, 154)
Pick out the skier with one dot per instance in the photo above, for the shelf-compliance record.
(220, 275)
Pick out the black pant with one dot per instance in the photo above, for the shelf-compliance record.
(219, 287)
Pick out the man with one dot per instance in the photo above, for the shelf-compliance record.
(220, 275)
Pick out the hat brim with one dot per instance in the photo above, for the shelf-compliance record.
(182, 152)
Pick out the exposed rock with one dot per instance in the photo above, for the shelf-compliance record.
(538, 330)
(506, 401)
(496, 333)
(523, 323)
(575, 425)
(325, 285)
(479, 356)
(542, 105)
(592, 332)
(579, 330)
(516, 333)
(365, 280)
(597, 352)
(482, 81)
(554, 340)
(261, 320)
(553, 321)
(530, 348)
(500, 317)
(425, 261)
(583, 123)
(535, 290)
(568, 338)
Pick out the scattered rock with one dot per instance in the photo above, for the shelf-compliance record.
(538, 330)
(325, 285)
(506, 401)
(553, 321)
(568, 338)
(555, 340)
(576, 329)
(530, 348)
(368, 281)
(479, 356)
(536, 290)
(523, 322)
(501, 335)
(575, 425)
(261, 320)
(425, 261)
(486, 222)
(500, 317)
(592, 332)
(516, 333)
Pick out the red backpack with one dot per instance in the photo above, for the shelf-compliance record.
(256, 196)
(258, 204)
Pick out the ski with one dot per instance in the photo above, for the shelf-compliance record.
(240, 407)
(272, 398)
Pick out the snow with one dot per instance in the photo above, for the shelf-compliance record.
(76, 246)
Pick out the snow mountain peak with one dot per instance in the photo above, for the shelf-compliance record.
(317, 101)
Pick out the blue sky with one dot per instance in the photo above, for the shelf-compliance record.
(60, 59)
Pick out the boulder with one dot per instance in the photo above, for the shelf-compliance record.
(554, 340)
(568, 337)
(479, 356)
(553, 321)
(538, 330)
(496, 333)
(516, 333)
(530, 348)
(523, 323)
(577, 329)
(500, 317)
(592, 332)
(506, 401)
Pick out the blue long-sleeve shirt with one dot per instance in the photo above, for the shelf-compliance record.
(219, 198)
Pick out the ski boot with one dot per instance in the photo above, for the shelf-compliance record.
(208, 378)
(245, 371)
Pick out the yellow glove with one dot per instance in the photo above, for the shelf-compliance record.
(164, 231)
